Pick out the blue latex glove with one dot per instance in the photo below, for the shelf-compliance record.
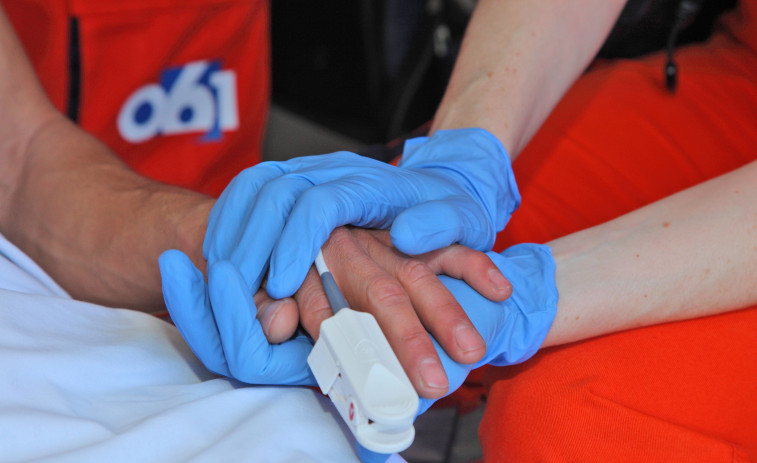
(513, 329)
(219, 323)
(228, 339)
(456, 186)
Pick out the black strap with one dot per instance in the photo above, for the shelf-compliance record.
(687, 9)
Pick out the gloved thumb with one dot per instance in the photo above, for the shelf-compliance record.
(367, 456)
(432, 225)
(185, 294)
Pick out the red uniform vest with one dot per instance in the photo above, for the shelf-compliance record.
(178, 88)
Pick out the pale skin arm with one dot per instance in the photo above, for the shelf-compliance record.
(689, 255)
(517, 59)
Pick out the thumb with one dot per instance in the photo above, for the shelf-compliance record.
(368, 456)
(185, 294)
(435, 224)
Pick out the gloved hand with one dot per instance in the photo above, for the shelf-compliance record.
(513, 329)
(456, 186)
(219, 323)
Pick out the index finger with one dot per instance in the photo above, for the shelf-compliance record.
(371, 289)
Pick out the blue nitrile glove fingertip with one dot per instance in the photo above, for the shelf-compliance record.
(179, 277)
(433, 225)
(367, 456)
(535, 264)
(284, 280)
(423, 228)
(423, 405)
(170, 262)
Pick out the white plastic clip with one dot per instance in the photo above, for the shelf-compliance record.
(355, 366)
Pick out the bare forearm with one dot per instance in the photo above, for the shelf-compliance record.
(689, 255)
(66, 200)
(517, 60)
(95, 225)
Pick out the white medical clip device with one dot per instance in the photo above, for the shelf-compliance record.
(355, 366)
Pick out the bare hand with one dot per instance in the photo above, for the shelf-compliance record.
(404, 295)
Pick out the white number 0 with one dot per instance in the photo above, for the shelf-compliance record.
(188, 106)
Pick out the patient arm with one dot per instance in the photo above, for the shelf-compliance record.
(66, 200)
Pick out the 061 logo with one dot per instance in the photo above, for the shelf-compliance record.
(196, 97)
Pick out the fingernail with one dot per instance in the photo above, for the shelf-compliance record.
(268, 314)
(432, 374)
(468, 338)
(499, 282)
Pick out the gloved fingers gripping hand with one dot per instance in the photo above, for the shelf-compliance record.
(456, 186)
(406, 298)
(481, 166)
(219, 322)
(513, 329)
(435, 224)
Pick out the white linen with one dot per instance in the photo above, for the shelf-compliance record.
(84, 383)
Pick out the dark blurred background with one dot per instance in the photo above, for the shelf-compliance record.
(376, 69)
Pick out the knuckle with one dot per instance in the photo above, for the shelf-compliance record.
(247, 176)
(450, 309)
(269, 189)
(312, 319)
(312, 303)
(280, 184)
(309, 298)
(341, 242)
(324, 195)
(478, 258)
(340, 236)
(417, 339)
(385, 291)
(320, 311)
(413, 272)
(255, 175)
(359, 234)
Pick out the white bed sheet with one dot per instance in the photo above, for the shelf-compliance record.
(81, 383)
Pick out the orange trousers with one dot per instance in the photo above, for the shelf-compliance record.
(679, 392)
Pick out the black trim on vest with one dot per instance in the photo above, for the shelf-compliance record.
(74, 70)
